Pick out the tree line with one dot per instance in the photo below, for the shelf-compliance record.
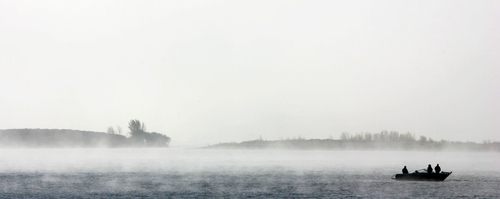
(138, 137)
(392, 136)
(362, 141)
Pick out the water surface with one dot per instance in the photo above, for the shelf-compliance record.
(189, 173)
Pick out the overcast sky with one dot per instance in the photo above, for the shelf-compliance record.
(204, 72)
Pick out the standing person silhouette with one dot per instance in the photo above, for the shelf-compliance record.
(429, 169)
(405, 171)
(437, 168)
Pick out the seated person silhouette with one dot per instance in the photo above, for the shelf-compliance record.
(437, 168)
(429, 169)
(405, 171)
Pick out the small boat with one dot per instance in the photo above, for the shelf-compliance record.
(422, 176)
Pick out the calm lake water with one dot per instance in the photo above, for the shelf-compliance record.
(196, 173)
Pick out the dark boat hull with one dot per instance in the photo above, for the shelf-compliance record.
(423, 176)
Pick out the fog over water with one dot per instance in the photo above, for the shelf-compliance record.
(241, 173)
(204, 72)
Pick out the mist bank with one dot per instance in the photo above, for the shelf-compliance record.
(331, 144)
(65, 138)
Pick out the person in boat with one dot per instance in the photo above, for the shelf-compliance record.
(429, 169)
(437, 168)
(405, 171)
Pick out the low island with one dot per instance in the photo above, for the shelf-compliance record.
(66, 138)
(363, 141)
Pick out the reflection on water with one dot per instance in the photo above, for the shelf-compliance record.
(108, 173)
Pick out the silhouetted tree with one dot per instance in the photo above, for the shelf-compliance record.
(384, 136)
(110, 130)
(407, 137)
(423, 139)
(393, 136)
(136, 128)
(345, 136)
(357, 137)
(140, 137)
(368, 137)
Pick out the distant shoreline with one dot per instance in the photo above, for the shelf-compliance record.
(331, 144)
(66, 138)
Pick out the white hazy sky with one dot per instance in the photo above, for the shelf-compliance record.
(221, 71)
